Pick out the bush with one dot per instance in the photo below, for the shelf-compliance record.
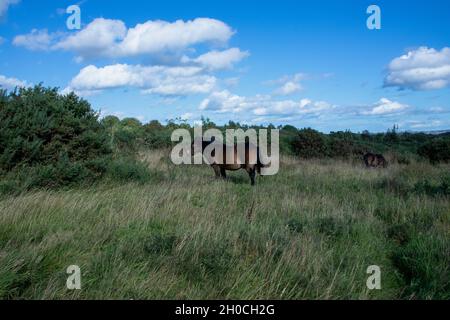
(124, 136)
(156, 135)
(436, 150)
(39, 126)
(309, 143)
(49, 140)
(130, 169)
(340, 147)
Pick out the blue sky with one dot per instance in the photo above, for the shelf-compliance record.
(306, 63)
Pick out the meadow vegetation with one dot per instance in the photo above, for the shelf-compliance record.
(103, 194)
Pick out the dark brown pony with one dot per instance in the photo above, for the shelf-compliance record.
(374, 160)
(250, 161)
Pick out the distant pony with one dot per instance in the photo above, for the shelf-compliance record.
(374, 160)
(249, 161)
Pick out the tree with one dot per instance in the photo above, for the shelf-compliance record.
(391, 135)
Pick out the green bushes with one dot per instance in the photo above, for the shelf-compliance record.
(129, 169)
(309, 143)
(156, 136)
(404, 148)
(51, 140)
(124, 136)
(436, 150)
(39, 126)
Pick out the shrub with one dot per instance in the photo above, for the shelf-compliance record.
(436, 150)
(340, 147)
(39, 125)
(129, 169)
(156, 135)
(62, 173)
(309, 143)
(49, 140)
(124, 136)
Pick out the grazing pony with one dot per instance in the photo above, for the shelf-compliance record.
(374, 160)
(220, 162)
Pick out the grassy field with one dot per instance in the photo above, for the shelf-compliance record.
(309, 232)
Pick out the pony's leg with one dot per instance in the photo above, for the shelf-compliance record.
(252, 174)
(216, 170)
(223, 172)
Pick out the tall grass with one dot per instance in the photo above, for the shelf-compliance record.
(309, 232)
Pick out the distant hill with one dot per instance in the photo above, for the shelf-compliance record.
(438, 132)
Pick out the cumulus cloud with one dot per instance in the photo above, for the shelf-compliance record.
(35, 40)
(225, 101)
(272, 108)
(107, 38)
(416, 124)
(161, 80)
(262, 105)
(4, 5)
(421, 69)
(216, 60)
(157, 36)
(11, 83)
(98, 38)
(288, 84)
(385, 107)
(289, 87)
(111, 38)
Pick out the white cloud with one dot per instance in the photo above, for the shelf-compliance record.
(231, 82)
(288, 84)
(11, 83)
(289, 87)
(111, 38)
(216, 60)
(438, 110)
(224, 101)
(385, 106)
(262, 105)
(421, 69)
(4, 5)
(417, 124)
(35, 40)
(160, 80)
(158, 39)
(98, 38)
(159, 36)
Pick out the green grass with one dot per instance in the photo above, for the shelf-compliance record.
(309, 232)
